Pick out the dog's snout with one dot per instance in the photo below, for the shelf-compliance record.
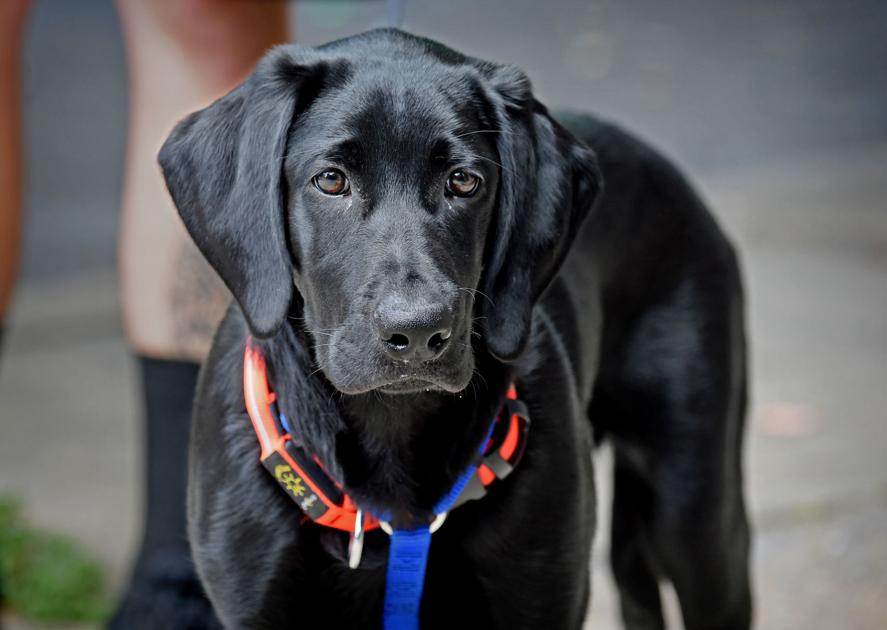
(413, 331)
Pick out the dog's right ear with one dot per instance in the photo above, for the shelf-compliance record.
(223, 167)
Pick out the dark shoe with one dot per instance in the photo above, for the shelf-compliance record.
(165, 594)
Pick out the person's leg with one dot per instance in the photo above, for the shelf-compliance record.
(182, 54)
(13, 15)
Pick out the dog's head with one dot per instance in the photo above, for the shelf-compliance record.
(412, 196)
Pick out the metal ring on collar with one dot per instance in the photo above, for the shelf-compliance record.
(433, 527)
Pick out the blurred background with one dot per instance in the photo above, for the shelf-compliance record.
(777, 111)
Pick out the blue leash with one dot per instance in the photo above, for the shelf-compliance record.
(408, 559)
(405, 580)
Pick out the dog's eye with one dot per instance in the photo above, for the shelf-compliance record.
(462, 183)
(332, 182)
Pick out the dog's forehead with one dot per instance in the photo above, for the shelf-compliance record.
(395, 106)
(390, 91)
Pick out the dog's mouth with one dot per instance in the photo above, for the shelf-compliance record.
(407, 385)
(452, 379)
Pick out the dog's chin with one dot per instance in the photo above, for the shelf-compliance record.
(418, 385)
(395, 380)
(401, 384)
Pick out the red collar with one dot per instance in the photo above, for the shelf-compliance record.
(318, 495)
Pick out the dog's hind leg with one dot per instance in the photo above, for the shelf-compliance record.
(699, 526)
(699, 523)
(671, 397)
(630, 549)
(703, 551)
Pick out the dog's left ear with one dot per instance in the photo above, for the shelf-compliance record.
(549, 182)
(223, 167)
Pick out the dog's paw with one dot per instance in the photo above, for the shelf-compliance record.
(164, 592)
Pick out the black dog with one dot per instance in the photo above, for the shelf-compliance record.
(407, 231)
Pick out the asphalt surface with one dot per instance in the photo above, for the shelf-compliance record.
(777, 112)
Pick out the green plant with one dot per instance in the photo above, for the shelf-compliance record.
(45, 577)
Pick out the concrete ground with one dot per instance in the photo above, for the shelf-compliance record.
(790, 150)
(817, 481)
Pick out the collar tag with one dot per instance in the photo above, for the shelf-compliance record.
(355, 544)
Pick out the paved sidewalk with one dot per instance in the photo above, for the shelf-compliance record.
(813, 235)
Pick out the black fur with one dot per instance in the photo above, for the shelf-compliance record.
(617, 312)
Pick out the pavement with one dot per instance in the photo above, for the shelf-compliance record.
(790, 151)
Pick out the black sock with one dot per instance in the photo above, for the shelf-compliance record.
(168, 389)
(164, 591)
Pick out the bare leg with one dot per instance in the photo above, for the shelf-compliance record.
(182, 54)
(12, 23)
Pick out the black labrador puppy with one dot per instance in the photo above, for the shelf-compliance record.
(407, 231)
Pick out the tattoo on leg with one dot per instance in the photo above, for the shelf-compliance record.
(199, 300)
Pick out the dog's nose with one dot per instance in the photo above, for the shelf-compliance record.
(410, 331)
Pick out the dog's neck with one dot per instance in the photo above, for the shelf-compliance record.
(395, 454)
